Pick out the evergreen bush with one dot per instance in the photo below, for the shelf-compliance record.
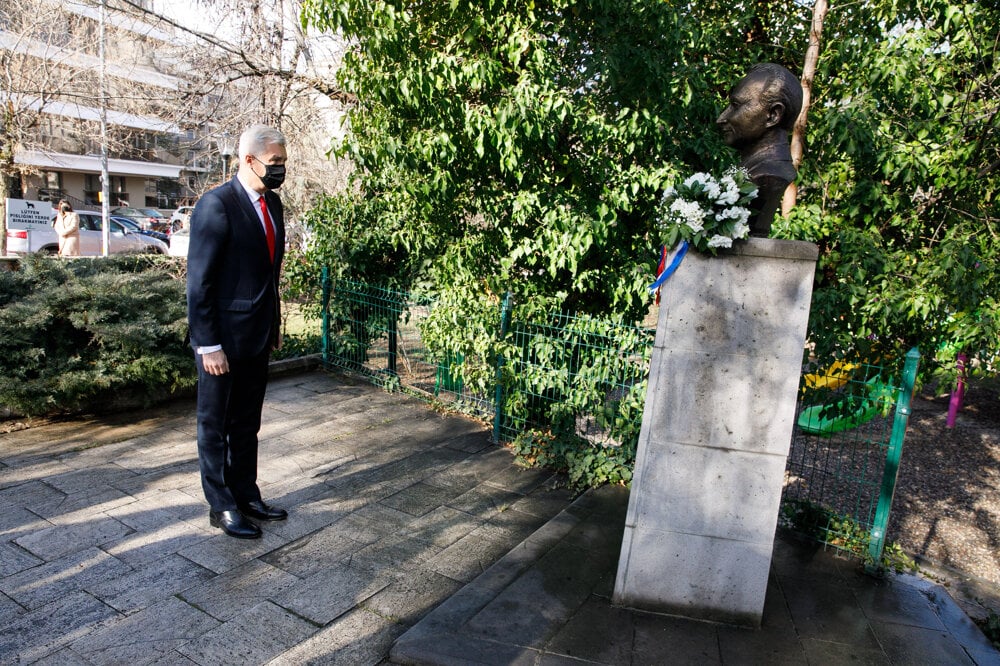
(92, 334)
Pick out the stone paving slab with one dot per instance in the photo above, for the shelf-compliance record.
(142, 637)
(106, 555)
(34, 635)
(548, 601)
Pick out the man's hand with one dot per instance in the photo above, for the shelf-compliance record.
(215, 363)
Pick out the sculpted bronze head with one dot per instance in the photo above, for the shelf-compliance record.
(762, 109)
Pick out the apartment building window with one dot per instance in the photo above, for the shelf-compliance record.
(162, 192)
(14, 187)
(51, 189)
(92, 189)
(118, 190)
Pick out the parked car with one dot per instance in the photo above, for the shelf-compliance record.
(179, 242)
(136, 229)
(123, 239)
(181, 217)
(146, 218)
(43, 238)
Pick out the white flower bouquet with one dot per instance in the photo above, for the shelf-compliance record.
(706, 212)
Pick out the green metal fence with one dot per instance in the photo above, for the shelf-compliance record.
(840, 477)
(376, 332)
(585, 378)
(574, 375)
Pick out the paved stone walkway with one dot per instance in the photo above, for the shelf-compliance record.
(410, 537)
(106, 555)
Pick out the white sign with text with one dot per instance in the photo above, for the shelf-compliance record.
(24, 214)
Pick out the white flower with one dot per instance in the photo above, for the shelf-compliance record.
(712, 190)
(728, 214)
(720, 241)
(669, 193)
(741, 230)
(702, 179)
(730, 192)
(738, 213)
(689, 212)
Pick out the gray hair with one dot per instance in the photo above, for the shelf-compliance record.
(256, 138)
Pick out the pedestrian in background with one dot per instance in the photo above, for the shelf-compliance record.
(67, 225)
(234, 316)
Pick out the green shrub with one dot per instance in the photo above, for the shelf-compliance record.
(92, 334)
(586, 465)
(991, 627)
(293, 346)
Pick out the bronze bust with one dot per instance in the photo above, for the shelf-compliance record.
(762, 110)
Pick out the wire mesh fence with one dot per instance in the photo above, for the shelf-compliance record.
(376, 332)
(576, 375)
(843, 461)
(584, 378)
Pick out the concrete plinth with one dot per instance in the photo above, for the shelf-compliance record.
(720, 406)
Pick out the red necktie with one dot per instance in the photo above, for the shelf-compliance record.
(268, 227)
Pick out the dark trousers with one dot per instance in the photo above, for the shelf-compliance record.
(229, 408)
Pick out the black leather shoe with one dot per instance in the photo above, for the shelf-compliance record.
(261, 511)
(234, 524)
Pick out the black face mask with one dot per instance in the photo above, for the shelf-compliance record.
(274, 175)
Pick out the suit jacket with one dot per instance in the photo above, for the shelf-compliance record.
(232, 285)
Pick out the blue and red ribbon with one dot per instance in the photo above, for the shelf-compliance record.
(664, 271)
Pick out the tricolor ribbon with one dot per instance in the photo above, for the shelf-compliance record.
(663, 273)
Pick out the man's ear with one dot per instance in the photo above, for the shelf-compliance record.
(774, 114)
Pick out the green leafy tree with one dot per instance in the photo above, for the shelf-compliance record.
(522, 146)
(899, 183)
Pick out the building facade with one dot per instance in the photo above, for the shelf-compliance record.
(159, 153)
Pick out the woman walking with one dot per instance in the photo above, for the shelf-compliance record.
(67, 225)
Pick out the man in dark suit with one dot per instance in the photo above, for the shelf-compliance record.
(234, 315)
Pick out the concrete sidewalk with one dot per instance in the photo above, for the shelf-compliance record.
(409, 533)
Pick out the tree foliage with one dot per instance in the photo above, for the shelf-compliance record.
(899, 183)
(523, 146)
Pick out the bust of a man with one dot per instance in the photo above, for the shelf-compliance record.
(762, 110)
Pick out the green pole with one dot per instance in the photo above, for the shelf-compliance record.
(393, 334)
(498, 395)
(325, 279)
(877, 542)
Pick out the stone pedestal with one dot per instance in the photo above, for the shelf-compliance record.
(717, 425)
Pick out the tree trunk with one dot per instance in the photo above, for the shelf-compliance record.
(808, 73)
(5, 172)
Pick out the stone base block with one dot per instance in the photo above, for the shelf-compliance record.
(720, 407)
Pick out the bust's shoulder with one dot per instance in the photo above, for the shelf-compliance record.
(767, 171)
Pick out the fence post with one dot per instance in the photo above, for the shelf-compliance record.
(393, 335)
(877, 542)
(498, 394)
(325, 281)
